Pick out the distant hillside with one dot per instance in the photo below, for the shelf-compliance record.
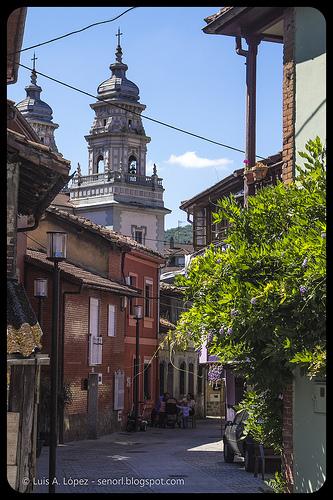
(180, 234)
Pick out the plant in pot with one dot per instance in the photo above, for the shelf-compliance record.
(259, 171)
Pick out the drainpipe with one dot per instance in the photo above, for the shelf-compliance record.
(29, 228)
(62, 355)
(251, 69)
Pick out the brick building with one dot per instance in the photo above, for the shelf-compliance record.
(302, 31)
(102, 272)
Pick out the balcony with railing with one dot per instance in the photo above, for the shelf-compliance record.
(124, 185)
(117, 177)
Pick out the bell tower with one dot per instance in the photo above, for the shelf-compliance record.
(117, 141)
(117, 192)
(37, 112)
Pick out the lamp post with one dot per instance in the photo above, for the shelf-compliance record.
(40, 292)
(56, 252)
(137, 316)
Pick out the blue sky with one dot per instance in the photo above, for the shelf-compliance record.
(186, 78)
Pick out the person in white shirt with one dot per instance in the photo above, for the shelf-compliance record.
(230, 413)
(185, 413)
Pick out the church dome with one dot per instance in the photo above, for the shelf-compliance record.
(32, 107)
(118, 86)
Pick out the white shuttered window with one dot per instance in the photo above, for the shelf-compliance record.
(111, 320)
(118, 390)
(95, 340)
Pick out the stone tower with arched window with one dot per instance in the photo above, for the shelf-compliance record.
(117, 192)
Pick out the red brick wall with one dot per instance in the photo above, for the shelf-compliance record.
(76, 363)
(143, 268)
(289, 87)
(287, 436)
(115, 258)
(76, 347)
(147, 352)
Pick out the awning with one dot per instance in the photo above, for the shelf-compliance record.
(23, 330)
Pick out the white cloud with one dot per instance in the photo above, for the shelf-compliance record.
(191, 160)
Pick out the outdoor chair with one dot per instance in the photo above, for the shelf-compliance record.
(192, 421)
(262, 455)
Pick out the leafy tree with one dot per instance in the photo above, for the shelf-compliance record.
(181, 234)
(260, 298)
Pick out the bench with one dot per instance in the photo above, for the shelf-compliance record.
(262, 455)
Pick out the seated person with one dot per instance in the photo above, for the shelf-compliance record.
(191, 404)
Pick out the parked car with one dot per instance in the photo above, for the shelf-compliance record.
(236, 444)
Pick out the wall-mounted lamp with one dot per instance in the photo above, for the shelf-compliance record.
(56, 246)
(40, 287)
(137, 312)
(40, 292)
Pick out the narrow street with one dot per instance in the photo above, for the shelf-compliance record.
(189, 460)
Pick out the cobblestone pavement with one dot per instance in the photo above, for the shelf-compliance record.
(156, 461)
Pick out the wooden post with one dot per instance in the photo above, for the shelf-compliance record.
(13, 420)
(251, 73)
(22, 401)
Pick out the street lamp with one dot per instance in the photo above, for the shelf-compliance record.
(56, 252)
(137, 316)
(40, 292)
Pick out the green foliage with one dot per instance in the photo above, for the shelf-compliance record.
(278, 483)
(263, 297)
(264, 421)
(181, 234)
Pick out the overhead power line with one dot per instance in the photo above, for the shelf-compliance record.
(136, 113)
(73, 32)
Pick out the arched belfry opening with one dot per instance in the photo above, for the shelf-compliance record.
(132, 165)
(99, 164)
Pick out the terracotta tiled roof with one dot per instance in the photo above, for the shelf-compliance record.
(222, 11)
(180, 249)
(82, 276)
(38, 152)
(110, 235)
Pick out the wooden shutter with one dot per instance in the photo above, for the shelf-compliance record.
(111, 320)
(119, 390)
(95, 341)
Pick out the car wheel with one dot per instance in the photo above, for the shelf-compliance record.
(228, 453)
(249, 461)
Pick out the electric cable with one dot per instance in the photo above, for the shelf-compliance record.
(72, 32)
(136, 113)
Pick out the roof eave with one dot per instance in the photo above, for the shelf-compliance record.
(246, 21)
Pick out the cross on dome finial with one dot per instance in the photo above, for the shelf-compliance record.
(34, 59)
(119, 52)
(119, 35)
(33, 73)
